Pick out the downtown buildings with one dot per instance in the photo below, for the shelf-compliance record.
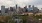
(18, 10)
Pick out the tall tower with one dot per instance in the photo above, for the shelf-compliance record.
(25, 9)
(33, 6)
(11, 8)
(16, 6)
(41, 8)
(29, 6)
(17, 9)
(30, 9)
(3, 10)
(6, 10)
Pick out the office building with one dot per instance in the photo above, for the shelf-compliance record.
(20, 10)
(41, 10)
(2, 10)
(17, 8)
(25, 9)
(6, 10)
(11, 8)
(35, 9)
(30, 9)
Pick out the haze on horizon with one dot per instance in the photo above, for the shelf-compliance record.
(22, 3)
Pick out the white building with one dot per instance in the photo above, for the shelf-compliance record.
(30, 8)
(17, 9)
(2, 10)
(40, 10)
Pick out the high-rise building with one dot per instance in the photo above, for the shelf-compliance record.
(35, 9)
(11, 8)
(20, 10)
(2, 10)
(6, 10)
(30, 8)
(25, 8)
(41, 10)
(16, 6)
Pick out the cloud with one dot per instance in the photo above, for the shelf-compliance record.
(21, 3)
(36, 2)
(6, 2)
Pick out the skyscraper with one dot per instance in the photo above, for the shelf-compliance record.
(41, 10)
(35, 9)
(6, 10)
(2, 10)
(30, 8)
(16, 6)
(25, 8)
(11, 8)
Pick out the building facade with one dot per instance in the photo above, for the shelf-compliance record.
(30, 9)
(2, 10)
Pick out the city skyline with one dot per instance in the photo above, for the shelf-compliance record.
(19, 6)
(21, 3)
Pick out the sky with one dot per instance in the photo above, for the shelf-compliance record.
(21, 3)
